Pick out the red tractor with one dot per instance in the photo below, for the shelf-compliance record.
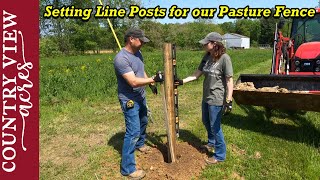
(305, 39)
(295, 67)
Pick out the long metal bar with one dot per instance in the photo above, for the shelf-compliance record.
(274, 56)
(175, 76)
(111, 27)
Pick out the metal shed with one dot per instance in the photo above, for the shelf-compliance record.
(233, 40)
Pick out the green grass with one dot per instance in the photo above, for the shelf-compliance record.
(81, 124)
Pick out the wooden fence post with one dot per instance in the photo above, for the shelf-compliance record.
(169, 102)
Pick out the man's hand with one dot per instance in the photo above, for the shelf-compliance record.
(227, 108)
(153, 88)
(159, 77)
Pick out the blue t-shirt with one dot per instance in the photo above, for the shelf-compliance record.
(125, 62)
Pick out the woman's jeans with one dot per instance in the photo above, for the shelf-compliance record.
(136, 123)
(211, 118)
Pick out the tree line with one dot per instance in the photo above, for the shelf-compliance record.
(62, 36)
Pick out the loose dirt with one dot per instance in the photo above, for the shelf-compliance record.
(190, 163)
(249, 86)
(246, 86)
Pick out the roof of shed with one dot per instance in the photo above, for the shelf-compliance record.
(237, 35)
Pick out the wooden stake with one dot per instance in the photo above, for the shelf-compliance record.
(169, 104)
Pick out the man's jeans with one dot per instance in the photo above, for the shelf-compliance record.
(136, 123)
(211, 118)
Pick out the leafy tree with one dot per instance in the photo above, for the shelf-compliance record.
(187, 35)
(154, 32)
(228, 27)
(255, 32)
(48, 47)
(267, 29)
(246, 27)
(243, 27)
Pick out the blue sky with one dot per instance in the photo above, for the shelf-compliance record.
(216, 3)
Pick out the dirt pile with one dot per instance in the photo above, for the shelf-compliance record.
(273, 89)
(249, 86)
(190, 163)
(246, 86)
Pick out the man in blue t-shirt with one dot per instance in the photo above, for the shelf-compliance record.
(132, 78)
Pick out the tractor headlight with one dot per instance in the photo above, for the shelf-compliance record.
(297, 69)
(317, 69)
(318, 61)
(297, 62)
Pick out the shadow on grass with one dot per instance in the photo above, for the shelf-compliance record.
(187, 136)
(155, 140)
(184, 135)
(301, 130)
(116, 141)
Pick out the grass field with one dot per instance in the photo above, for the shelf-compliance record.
(81, 123)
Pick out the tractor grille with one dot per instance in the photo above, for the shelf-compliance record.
(307, 66)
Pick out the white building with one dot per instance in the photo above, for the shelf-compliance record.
(233, 40)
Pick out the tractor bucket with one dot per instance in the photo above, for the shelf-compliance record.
(292, 92)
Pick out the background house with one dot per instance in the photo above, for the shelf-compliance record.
(233, 40)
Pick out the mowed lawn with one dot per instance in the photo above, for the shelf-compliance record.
(82, 126)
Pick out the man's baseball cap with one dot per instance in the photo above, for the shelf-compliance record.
(136, 33)
(213, 36)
